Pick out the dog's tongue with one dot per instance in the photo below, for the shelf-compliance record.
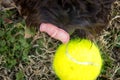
(55, 32)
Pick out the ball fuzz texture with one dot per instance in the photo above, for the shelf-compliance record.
(80, 59)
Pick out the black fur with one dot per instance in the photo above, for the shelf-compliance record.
(86, 18)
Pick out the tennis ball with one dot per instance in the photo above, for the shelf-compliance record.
(80, 59)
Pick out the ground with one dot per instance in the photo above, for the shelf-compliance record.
(31, 58)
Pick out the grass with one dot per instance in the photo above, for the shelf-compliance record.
(109, 42)
(31, 59)
(20, 58)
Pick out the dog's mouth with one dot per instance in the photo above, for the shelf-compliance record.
(55, 32)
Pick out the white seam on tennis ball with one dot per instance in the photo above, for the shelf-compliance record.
(76, 61)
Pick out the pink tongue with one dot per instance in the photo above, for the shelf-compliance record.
(55, 32)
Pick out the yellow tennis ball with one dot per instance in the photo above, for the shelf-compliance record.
(80, 59)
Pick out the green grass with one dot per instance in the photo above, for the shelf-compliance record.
(13, 45)
(17, 52)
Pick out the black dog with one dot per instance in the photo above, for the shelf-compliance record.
(86, 18)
